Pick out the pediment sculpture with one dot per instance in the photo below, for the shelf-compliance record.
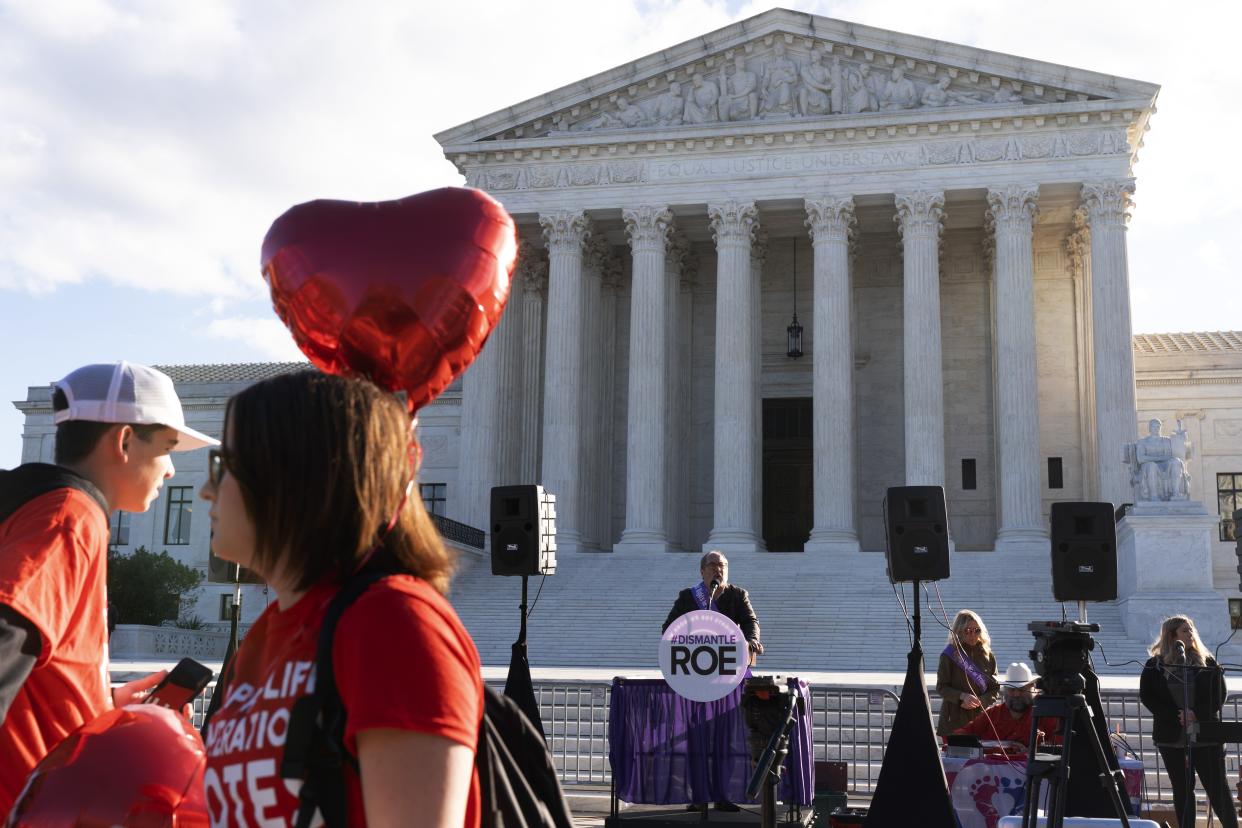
(779, 86)
(1158, 464)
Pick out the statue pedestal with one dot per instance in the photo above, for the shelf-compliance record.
(1164, 567)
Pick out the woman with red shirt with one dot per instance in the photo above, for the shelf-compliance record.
(311, 482)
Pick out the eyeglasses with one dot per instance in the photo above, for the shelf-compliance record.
(218, 463)
(971, 630)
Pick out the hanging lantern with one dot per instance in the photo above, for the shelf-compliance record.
(793, 333)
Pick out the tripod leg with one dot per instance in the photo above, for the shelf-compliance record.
(1107, 779)
(1059, 793)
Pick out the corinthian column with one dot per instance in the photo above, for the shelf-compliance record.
(919, 218)
(1012, 212)
(565, 231)
(1107, 204)
(489, 437)
(1078, 250)
(832, 222)
(645, 480)
(734, 475)
(533, 279)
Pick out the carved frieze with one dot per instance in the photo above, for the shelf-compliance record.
(776, 162)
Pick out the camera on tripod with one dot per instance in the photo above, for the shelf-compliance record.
(1061, 655)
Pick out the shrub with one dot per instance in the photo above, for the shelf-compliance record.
(148, 588)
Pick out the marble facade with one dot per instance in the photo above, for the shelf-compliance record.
(957, 220)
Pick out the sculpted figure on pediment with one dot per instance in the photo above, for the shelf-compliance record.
(627, 116)
(740, 93)
(860, 86)
(670, 107)
(815, 96)
(899, 92)
(701, 104)
(780, 76)
(939, 94)
(1006, 95)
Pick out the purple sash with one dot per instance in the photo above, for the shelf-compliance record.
(699, 591)
(972, 671)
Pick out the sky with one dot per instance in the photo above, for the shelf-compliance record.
(146, 145)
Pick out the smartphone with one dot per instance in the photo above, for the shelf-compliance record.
(181, 685)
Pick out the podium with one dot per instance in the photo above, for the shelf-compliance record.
(668, 750)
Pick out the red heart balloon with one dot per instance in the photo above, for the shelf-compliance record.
(140, 766)
(402, 292)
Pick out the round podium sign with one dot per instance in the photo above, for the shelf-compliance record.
(703, 656)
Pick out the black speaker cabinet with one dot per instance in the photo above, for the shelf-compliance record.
(523, 531)
(916, 527)
(1084, 552)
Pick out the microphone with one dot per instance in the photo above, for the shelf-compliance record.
(1181, 651)
(715, 585)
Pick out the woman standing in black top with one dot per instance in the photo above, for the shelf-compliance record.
(1163, 692)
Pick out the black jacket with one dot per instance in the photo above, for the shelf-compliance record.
(732, 602)
(1206, 700)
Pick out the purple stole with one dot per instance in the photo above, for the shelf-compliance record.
(699, 591)
(972, 671)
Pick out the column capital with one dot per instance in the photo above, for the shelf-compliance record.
(677, 252)
(759, 248)
(1078, 243)
(1014, 206)
(531, 271)
(733, 221)
(596, 251)
(830, 218)
(920, 213)
(647, 226)
(565, 230)
(1108, 202)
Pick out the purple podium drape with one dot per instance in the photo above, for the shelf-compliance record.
(667, 750)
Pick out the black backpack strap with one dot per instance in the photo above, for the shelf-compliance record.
(315, 749)
(23, 484)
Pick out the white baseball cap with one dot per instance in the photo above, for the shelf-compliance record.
(125, 392)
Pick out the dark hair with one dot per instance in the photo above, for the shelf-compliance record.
(76, 439)
(323, 463)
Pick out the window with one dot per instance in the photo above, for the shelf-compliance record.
(435, 496)
(118, 529)
(1056, 473)
(226, 607)
(1228, 498)
(968, 474)
(177, 518)
(1235, 613)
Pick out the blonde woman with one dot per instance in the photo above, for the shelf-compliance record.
(966, 676)
(1173, 674)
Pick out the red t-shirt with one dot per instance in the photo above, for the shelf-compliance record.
(54, 572)
(403, 660)
(998, 723)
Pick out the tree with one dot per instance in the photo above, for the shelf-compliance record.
(147, 588)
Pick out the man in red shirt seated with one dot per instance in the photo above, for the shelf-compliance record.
(1009, 720)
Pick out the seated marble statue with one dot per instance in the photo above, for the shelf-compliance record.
(1158, 464)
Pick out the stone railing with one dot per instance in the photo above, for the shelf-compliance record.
(138, 641)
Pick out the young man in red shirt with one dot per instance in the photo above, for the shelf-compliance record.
(116, 425)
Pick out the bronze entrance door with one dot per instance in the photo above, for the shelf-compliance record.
(788, 511)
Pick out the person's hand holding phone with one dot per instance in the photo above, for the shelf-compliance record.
(134, 692)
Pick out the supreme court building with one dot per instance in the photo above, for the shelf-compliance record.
(948, 224)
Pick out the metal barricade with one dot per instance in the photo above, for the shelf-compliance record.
(849, 724)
